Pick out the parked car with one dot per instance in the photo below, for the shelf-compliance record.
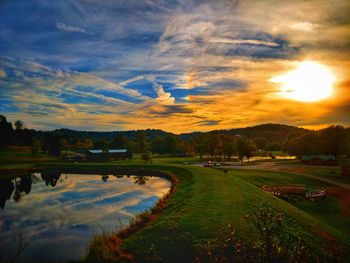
(211, 164)
(208, 164)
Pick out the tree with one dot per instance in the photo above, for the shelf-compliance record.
(228, 146)
(19, 125)
(200, 144)
(245, 148)
(331, 140)
(310, 143)
(215, 146)
(334, 139)
(274, 147)
(6, 131)
(347, 142)
(169, 144)
(64, 145)
(23, 137)
(36, 144)
(147, 157)
(52, 144)
(100, 144)
(141, 142)
(119, 142)
(261, 143)
(83, 144)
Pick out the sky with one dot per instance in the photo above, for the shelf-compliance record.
(180, 66)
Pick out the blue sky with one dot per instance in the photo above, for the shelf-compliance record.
(175, 65)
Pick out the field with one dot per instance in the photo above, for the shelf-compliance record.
(208, 200)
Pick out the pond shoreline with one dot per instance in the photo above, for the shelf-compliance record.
(141, 220)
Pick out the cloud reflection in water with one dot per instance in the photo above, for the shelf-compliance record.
(60, 215)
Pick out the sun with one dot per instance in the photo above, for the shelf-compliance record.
(309, 82)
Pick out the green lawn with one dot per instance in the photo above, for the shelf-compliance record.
(210, 201)
(16, 157)
(328, 172)
(328, 211)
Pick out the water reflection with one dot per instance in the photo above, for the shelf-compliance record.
(60, 213)
(6, 189)
(141, 180)
(50, 178)
(22, 185)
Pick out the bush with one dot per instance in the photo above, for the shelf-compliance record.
(147, 157)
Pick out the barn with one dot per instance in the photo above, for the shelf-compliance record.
(112, 154)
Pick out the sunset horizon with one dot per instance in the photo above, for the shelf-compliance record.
(177, 66)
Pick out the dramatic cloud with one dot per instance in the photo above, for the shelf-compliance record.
(174, 65)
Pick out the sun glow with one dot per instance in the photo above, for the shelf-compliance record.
(309, 82)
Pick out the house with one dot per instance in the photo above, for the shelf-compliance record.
(112, 154)
(95, 155)
(319, 159)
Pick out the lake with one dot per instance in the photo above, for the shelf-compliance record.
(58, 214)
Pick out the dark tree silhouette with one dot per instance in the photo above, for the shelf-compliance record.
(334, 138)
(6, 132)
(141, 142)
(23, 185)
(119, 142)
(245, 147)
(50, 178)
(6, 190)
(52, 144)
(141, 180)
(19, 125)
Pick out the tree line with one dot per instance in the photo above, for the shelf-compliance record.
(215, 145)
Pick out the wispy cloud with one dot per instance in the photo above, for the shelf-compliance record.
(171, 65)
(69, 28)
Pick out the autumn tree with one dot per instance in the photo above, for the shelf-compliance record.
(245, 148)
(334, 140)
(228, 146)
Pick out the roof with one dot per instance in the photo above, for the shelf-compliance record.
(95, 151)
(317, 156)
(117, 151)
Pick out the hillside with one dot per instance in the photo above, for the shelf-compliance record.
(272, 132)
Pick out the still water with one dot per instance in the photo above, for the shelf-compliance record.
(57, 214)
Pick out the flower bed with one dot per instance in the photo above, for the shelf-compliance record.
(294, 191)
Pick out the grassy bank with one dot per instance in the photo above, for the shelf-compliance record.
(203, 209)
(333, 210)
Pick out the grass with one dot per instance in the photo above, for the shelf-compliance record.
(210, 202)
(332, 211)
(207, 200)
(21, 157)
(327, 172)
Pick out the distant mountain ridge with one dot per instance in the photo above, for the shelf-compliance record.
(268, 131)
(272, 132)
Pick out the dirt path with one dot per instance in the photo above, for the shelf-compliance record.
(271, 166)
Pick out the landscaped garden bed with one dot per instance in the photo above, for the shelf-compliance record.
(292, 192)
